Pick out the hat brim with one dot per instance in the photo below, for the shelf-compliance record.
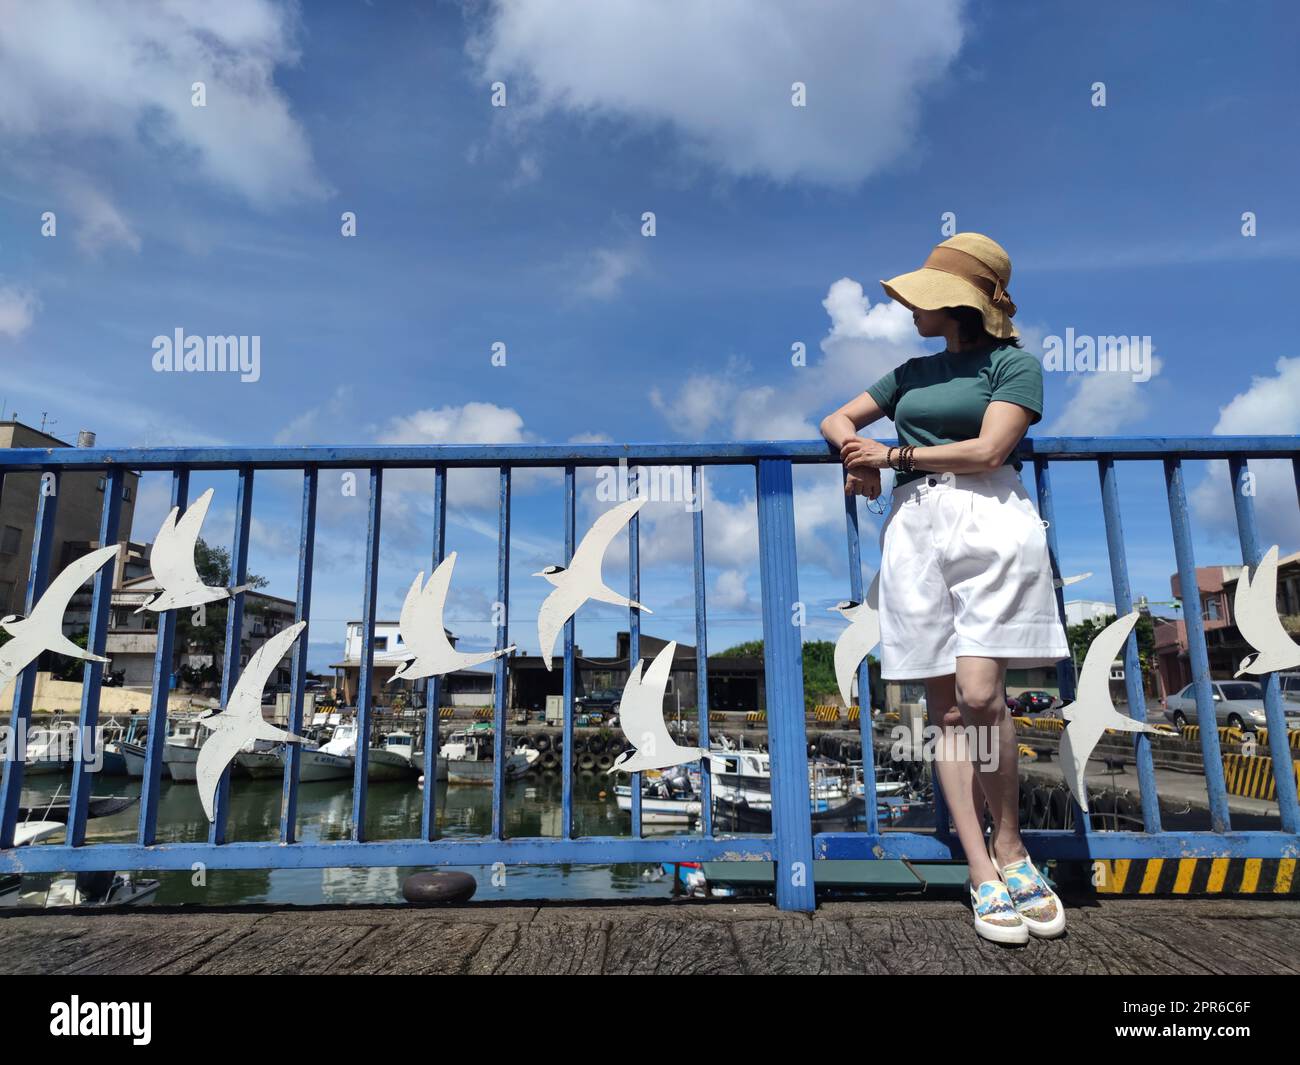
(931, 290)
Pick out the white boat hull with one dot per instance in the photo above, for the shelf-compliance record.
(317, 765)
(182, 762)
(260, 765)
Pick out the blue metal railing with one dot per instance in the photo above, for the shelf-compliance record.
(792, 845)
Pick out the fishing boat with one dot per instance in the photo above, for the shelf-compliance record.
(50, 749)
(470, 756)
(382, 762)
(181, 753)
(261, 760)
(316, 764)
(667, 798)
(106, 889)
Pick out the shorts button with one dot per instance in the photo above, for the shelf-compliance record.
(931, 482)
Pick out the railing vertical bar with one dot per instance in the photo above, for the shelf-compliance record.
(701, 650)
(234, 633)
(1132, 665)
(155, 741)
(92, 673)
(566, 763)
(783, 681)
(366, 677)
(1278, 740)
(864, 671)
(499, 670)
(1047, 511)
(1065, 677)
(634, 624)
(1190, 594)
(433, 685)
(20, 716)
(298, 676)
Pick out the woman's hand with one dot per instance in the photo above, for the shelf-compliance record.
(858, 452)
(863, 482)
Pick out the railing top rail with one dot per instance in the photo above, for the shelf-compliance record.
(734, 452)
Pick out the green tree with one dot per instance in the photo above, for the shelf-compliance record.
(1080, 637)
(209, 638)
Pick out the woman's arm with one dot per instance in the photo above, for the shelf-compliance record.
(1002, 429)
(841, 426)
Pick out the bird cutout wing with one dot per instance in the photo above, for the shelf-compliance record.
(1092, 711)
(591, 551)
(1072, 767)
(172, 560)
(1255, 611)
(246, 700)
(216, 753)
(852, 647)
(430, 638)
(640, 711)
(1062, 582)
(556, 609)
(857, 640)
(1093, 691)
(46, 619)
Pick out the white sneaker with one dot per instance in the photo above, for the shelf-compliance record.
(996, 918)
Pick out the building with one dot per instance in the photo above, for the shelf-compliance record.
(76, 525)
(1216, 587)
(735, 683)
(388, 657)
(132, 639)
(1077, 611)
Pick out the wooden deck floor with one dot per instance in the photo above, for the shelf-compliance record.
(1112, 936)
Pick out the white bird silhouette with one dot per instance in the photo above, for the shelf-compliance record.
(860, 637)
(172, 562)
(641, 718)
(241, 721)
(42, 630)
(581, 579)
(1061, 582)
(430, 653)
(1255, 610)
(1092, 711)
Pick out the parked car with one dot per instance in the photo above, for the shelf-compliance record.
(1035, 702)
(598, 699)
(1290, 685)
(1237, 703)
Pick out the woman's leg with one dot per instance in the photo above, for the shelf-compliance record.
(956, 772)
(981, 697)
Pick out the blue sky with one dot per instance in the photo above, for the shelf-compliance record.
(522, 225)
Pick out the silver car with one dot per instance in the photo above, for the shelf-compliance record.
(1238, 703)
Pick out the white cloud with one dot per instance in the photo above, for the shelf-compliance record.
(18, 308)
(76, 75)
(720, 75)
(1103, 403)
(602, 276)
(1268, 407)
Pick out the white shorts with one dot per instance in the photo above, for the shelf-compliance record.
(965, 571)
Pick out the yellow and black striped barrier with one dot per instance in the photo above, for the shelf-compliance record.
(1252, 777)
(1028, 752)
(1227, 733)
(447, 713)
(1292, 738)
(1195, 876)
(826, 713)
(717, 717)
(854, 714)
(756, 717)
(483, 713)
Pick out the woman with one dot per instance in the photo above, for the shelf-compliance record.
(965, 587)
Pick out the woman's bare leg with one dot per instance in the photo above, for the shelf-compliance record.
(956, 772)
(981, 697)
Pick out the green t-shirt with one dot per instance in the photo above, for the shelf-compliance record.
(941, 399)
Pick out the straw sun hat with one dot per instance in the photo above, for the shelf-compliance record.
(968, 270)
